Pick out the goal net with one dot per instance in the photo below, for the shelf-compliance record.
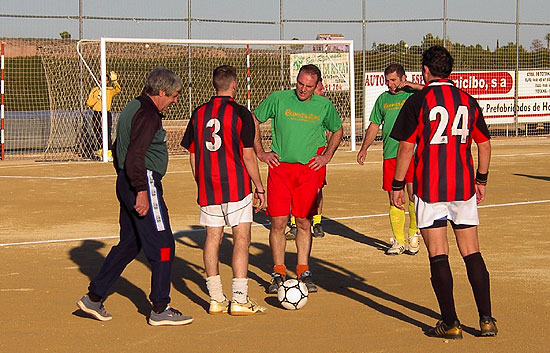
(262, 67)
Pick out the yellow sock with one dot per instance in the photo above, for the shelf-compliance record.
(413, 228)
(317, 219)
(397, 221)
(292, 221)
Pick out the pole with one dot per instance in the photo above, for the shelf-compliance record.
(517, 73)
(104, 121)
(363, 86)
(445, 23)
(248, 74)
(281, 37)
(189, 72)
(79, 19)
(2, 96)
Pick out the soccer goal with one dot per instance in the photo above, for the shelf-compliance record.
(263, 66)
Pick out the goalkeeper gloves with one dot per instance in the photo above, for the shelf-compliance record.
(113, 76)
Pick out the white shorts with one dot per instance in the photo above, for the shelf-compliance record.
(227, 214)
(460, 212)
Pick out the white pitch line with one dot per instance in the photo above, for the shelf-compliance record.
(256, 225)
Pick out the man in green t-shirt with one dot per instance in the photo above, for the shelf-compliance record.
(298, 156)
(385, 111)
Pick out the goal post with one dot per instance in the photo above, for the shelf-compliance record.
(263, 66)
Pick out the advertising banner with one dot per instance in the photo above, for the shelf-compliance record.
(334, 68)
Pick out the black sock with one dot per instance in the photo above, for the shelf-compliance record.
(479, 280)
(93, 297)
(159, 308)
(442, 283)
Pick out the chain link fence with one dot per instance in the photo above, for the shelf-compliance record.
(511, 81)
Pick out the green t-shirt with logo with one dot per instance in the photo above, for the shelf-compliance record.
(385, 112)
(297, 127)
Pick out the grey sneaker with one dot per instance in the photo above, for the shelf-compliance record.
(291, 234)
(318, 231)
(169, 316)
(277, 280)
(306, 277)
(96, 309)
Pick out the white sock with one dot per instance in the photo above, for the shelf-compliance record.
(214, 285)
(240, 290)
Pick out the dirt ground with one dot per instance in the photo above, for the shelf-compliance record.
(58, 222)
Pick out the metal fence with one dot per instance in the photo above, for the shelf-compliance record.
(379, 42)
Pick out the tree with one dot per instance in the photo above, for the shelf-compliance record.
(65, 35)
(547, 37)
(536, 45)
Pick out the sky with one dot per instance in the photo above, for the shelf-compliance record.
(530, 11)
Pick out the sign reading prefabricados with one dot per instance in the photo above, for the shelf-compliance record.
(494, 91)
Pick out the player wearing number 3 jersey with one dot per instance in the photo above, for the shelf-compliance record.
(220, 139)
(442, 121)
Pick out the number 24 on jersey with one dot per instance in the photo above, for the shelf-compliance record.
(460, 118)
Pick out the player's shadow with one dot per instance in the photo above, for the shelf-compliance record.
(328, 276)
(537, 177)
(89, 261)
(337, 279)
(334, 227)
(194, 238)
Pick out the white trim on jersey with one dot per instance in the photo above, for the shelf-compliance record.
(441, 84)
(155, 205)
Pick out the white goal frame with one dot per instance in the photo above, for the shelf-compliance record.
(103, 64)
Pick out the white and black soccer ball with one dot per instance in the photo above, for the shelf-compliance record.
(292, 294)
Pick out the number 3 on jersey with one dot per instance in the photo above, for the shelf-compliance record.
(461, 117)
(215, 125)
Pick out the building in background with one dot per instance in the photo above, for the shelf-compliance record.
(330, 47)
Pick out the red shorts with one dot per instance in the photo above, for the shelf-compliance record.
(388, 173)
(293, 186)
(322, 177)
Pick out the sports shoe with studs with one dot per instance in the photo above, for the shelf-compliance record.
(169, 316)
(396, 247)
(217, 307)
(96, 309)
(307, 278)
(291, 234)
(248, 308)
(453, 332)
(276, 280)
(414, 243)
(318, 231)
(488, 326)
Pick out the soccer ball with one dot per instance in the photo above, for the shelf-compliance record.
(292, 294)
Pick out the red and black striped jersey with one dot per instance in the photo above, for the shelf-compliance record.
(442, 121)
(217, 133)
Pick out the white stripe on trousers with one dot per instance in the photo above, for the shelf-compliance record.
(155, 206)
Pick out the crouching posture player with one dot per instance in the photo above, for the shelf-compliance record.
(442, 121)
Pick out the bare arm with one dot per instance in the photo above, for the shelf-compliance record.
(414, 86)
(370, 135)
(192, 163)
(251, 165)
(271, 158)
(483, 159)
(321, 160)
(404, 156)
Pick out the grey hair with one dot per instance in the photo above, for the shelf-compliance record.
(162, 79)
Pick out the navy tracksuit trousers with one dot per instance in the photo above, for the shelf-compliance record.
(151, 233)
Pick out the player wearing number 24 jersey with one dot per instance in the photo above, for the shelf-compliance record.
(444, 168)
